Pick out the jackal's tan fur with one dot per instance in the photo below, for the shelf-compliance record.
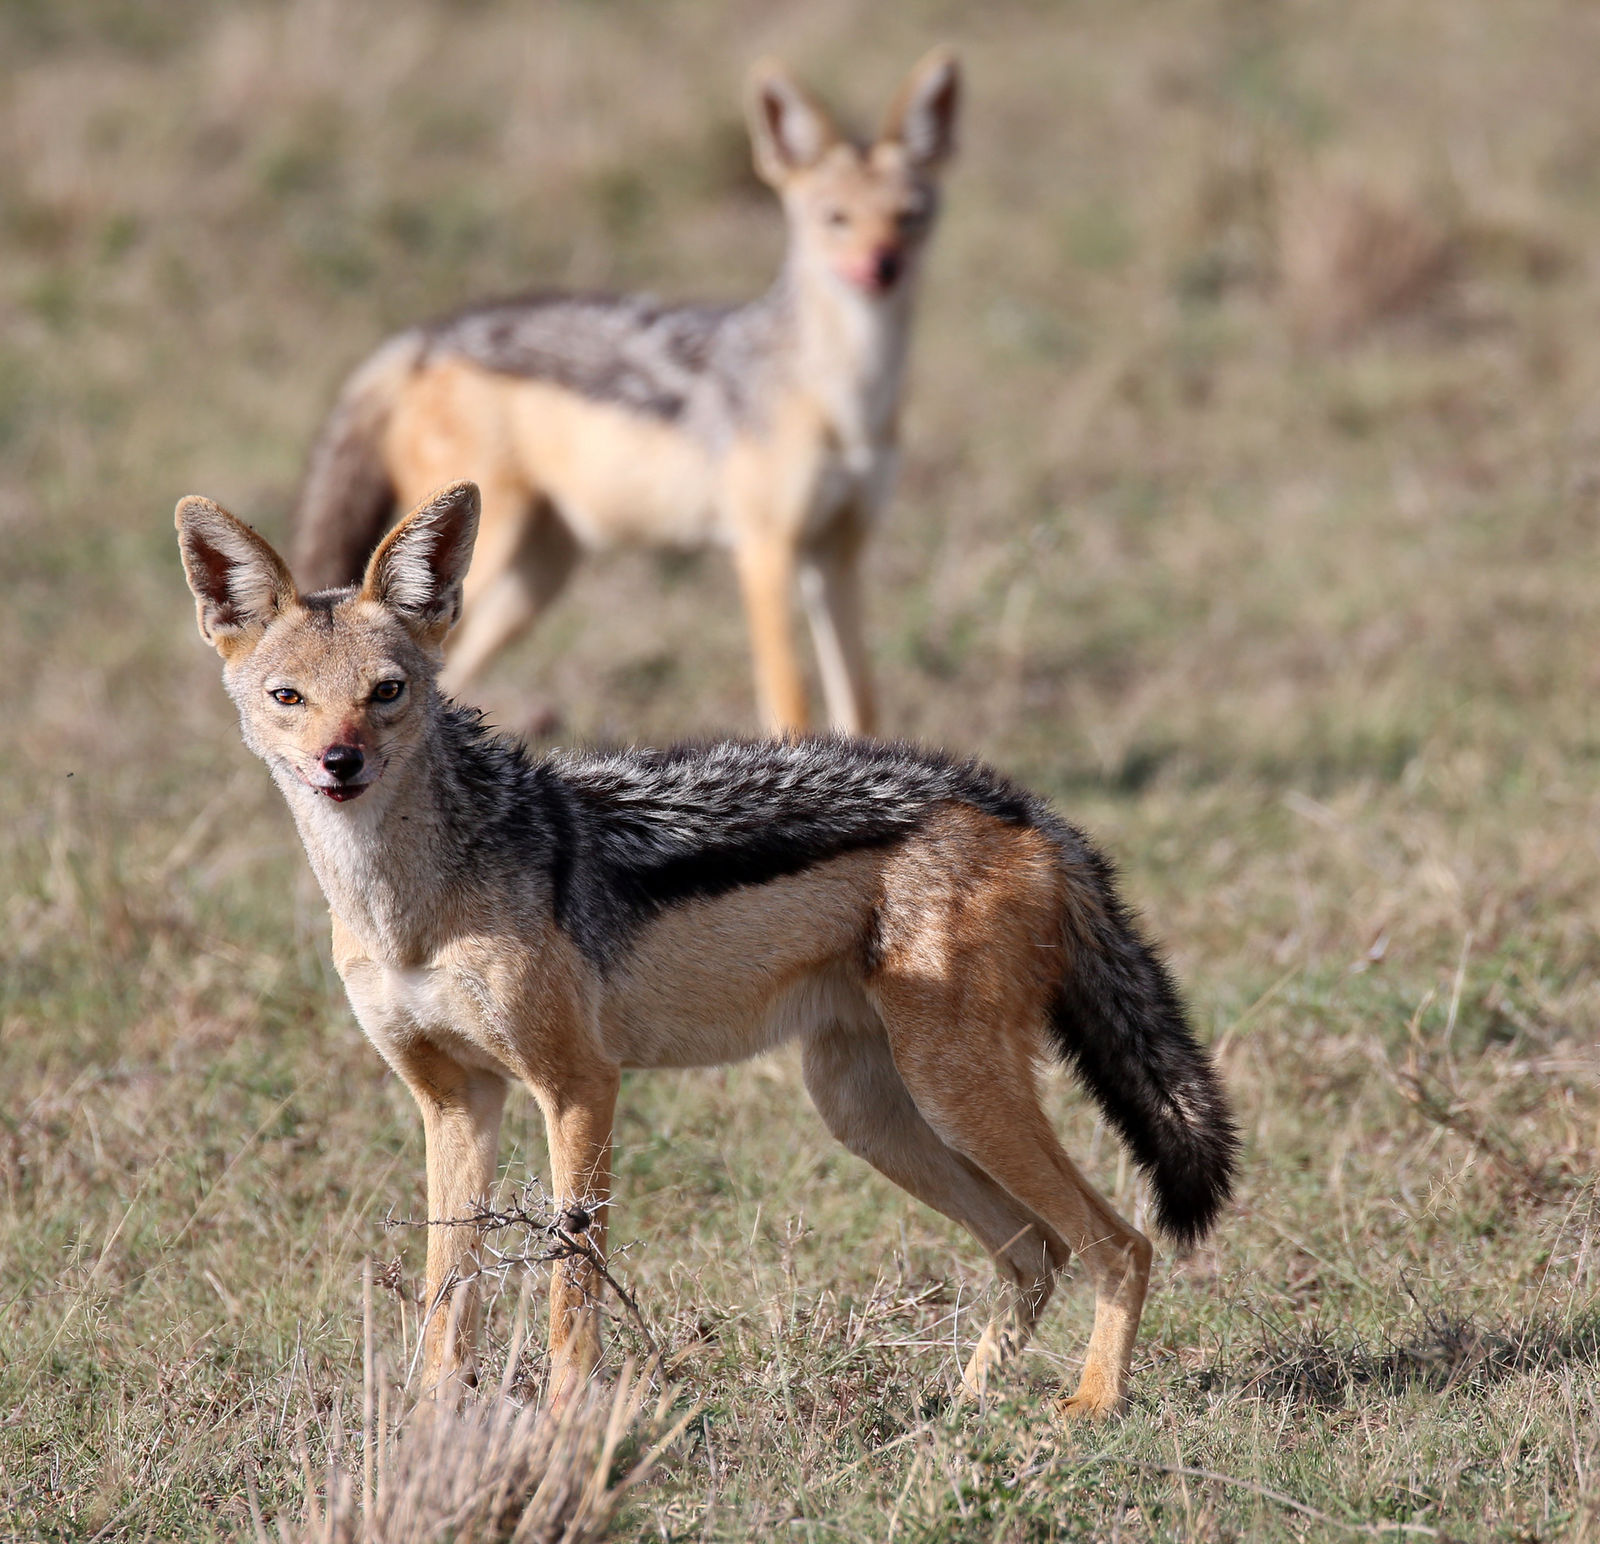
(923, 928)
(770, 429)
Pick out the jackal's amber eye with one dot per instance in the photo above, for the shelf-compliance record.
(288, 696)
(387, 691)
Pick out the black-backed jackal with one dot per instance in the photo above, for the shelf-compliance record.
(769, 428)
(926, 930)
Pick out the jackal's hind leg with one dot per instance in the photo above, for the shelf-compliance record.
(853, 1082)
(513, 580)
(999, 1125)
(1010, 1328)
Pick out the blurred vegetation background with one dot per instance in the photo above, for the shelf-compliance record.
(1250, 508)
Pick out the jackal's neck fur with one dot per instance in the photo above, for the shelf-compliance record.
(382, 861)
(846, 351)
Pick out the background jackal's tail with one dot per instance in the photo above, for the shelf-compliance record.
(348, 497)
(1120, 1024)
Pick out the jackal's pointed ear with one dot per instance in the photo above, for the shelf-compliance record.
(418, 570)
(789, 128)
(240, 584)
(922, 116)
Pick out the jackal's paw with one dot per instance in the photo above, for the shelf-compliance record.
(1088, 1407)
(452, 1389)
(986, 1362)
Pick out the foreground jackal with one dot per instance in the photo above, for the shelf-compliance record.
(768, 428)
(926, 931)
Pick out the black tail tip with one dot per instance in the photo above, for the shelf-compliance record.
(1191, 1192)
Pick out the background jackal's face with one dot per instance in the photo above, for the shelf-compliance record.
(333, 689)
(860, 214)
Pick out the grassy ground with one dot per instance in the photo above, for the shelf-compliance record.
(1303, 627)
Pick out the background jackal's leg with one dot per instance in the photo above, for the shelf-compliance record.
(511, 583)
(766, 568)
(830, 582)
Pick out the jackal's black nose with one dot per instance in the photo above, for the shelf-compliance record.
(343, 761)
(886, 268)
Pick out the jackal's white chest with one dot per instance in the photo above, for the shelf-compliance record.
(854, 367)
(448, 1007)
(857, 451)
(853, 474)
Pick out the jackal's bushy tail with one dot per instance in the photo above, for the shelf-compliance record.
(348, 497)
(1120, 1024)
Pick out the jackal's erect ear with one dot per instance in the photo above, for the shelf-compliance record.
(418, 570)
(789, 128)
(240, 584)
(922, 116)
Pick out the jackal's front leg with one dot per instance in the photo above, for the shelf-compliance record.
(766, 564)
(830, 581)
(461, 1122)
(578, 1117)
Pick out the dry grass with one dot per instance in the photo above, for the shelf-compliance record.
(1306, 634)
(1349, 258)
(491, 1473)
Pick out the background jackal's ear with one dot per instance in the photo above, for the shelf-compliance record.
(922, 116)
(789, 128)
(239, 582)
(418, 570)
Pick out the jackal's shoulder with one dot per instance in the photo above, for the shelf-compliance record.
(628, 350)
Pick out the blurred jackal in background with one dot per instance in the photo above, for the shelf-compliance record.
(768, 428)
(926, 930)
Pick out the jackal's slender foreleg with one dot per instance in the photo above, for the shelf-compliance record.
(578, 1117)
(766, 565)
(851, 1078)
(830, 582)
(461, 1124)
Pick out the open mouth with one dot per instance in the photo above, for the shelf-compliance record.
(339, 793)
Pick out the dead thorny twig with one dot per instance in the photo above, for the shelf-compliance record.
(567, 1229)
